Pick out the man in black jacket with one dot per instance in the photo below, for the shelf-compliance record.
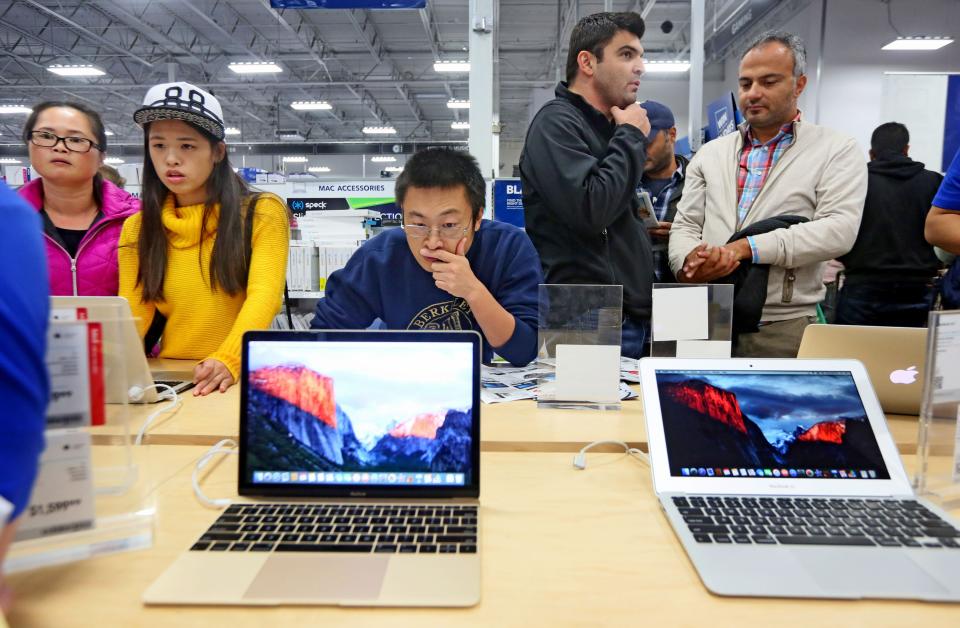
(580, 167)
(888, 273)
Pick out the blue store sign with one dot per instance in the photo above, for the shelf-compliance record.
(722, 117)
(951, 125)
(747, 13)
(508, 201)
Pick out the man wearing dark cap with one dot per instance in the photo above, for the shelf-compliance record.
(580, 167)
(662, 181)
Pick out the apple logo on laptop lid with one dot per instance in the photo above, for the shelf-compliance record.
(904, 376)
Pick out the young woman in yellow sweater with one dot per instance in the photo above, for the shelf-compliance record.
(206, 252)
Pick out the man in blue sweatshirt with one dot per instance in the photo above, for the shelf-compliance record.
(943, 221)
(446, 268)
(24, 387)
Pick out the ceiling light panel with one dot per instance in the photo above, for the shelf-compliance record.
(311, 105)
(666, 67)
(255, 67)
(918, 43)
(451, 66)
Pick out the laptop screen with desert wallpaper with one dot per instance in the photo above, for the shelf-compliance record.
(791, 424)
(338, 414)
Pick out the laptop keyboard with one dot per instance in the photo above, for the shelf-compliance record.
(815, 521)
(358, 528)
(178, 385)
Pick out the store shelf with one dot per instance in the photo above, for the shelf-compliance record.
(342, 213)
(306, 294)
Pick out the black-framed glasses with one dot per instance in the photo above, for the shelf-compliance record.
(46, 139)
(448, 232)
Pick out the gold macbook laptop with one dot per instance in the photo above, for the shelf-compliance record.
(360, 472)
(894, 356)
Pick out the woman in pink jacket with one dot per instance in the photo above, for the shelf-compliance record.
(82, 213)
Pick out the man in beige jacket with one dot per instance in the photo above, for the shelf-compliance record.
(776, 165)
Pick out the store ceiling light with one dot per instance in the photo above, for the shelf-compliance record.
(311, 105)
(665, 67)
(393, 169)
(318, 169)
(383, 159)
(379, 130)
(456, 103)
(460, 126)
(295, 159)
(75, 70)
(113, 160)
(290, 135)
(14, 109)
(108, 133)
(255, 67)
(451, 66)
(918, 43)
(9, 160)
(231, 130)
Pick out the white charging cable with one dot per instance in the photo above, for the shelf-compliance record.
(136, 394)
(223, 447)
(580, 460)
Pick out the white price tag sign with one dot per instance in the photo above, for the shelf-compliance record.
(68, 366)
(946, 373)
(956, 450)
(62, 498)
(945, 382)
(75, 364)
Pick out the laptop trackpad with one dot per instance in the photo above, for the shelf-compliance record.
(320, 577)
(868, 572)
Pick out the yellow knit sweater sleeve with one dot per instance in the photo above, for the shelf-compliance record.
(129, 264)
(268, 272)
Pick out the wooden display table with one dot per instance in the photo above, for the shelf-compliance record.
(559, 547)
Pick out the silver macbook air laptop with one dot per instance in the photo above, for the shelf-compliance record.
(780, 479)
(122, 348)
(360, 468)
(894, 356)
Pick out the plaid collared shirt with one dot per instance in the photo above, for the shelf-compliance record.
(756, 161)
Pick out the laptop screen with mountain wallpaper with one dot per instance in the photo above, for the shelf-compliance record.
(368, 414)
(767, 424)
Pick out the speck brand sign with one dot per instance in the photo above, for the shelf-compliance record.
(376, 196)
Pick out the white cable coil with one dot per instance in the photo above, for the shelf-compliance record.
(136, 394)
(222, 447)
(580, 460)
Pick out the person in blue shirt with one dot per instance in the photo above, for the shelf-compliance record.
(943, 222)
(24, 386)
(445, 268)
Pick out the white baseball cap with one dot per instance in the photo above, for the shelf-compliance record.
(182, 101)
